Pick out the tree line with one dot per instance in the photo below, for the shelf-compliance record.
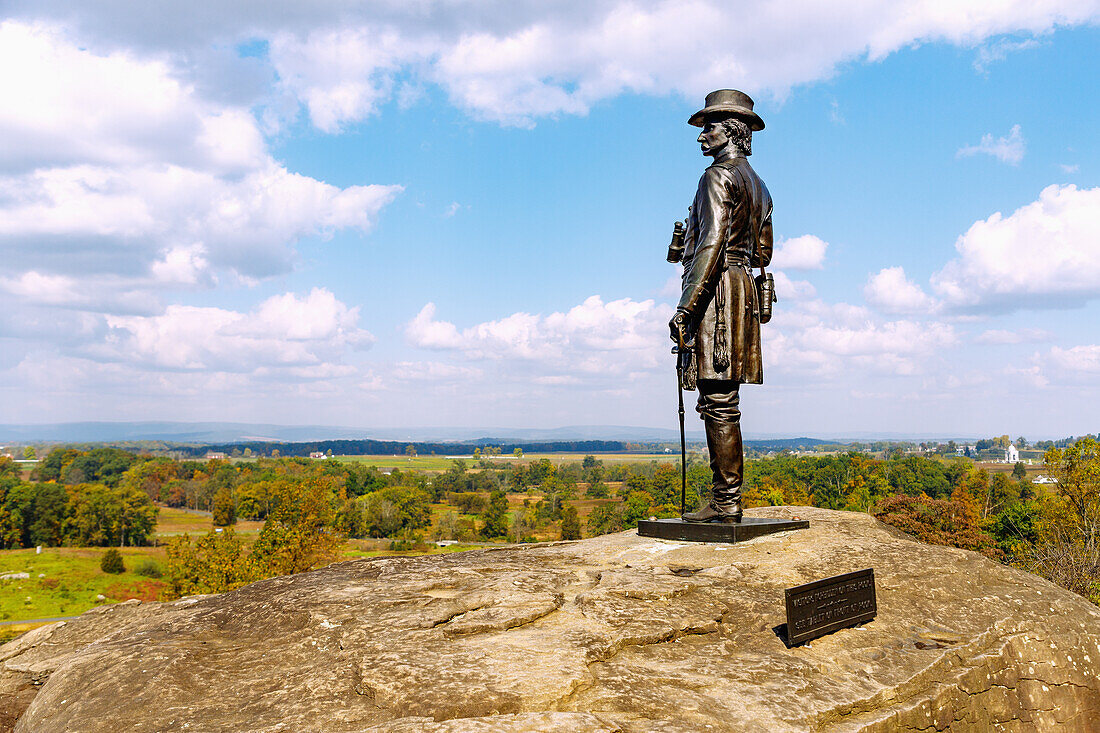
(390, 448)
(92, 510)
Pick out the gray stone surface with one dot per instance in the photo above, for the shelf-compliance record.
(616, 633)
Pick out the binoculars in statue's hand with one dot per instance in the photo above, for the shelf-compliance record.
(676, 248)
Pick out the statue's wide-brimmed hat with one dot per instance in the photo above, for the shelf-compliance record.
(728, 103)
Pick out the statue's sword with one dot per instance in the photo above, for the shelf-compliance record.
(683, 440)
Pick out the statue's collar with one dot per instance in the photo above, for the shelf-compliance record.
(727, 156)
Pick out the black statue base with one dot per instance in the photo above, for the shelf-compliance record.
(750, 527)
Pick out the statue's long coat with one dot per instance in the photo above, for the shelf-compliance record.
(728, 231)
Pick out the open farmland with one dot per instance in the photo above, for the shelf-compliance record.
(172, 522)
(442, 463)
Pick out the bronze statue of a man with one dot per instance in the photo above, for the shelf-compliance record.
(717, 321)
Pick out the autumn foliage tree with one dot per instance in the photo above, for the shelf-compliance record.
(298, 535)
(225, 509)
(952, 522)
(1067, 549)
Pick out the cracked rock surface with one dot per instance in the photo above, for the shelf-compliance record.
(615, 633)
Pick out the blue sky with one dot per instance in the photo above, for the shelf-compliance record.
(457, 216)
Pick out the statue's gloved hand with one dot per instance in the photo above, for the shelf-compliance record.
(678, 329)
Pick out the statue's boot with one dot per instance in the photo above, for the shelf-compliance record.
(727, 463)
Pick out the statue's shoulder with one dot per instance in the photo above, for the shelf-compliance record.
(743, 175)
(716, 174)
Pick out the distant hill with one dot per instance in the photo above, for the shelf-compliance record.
(228, 432)
(389, 447)
(218, 433)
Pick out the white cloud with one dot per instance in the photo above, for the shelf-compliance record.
(896, 347)
(119, 177)
(1084, 358)
(806, 252)
(673, 287)
(800, 253)
(1007, 149)
(34, 288)
(433, 371)
(786, 288)
(892, 292)
(596, 341)
(1031, 376)
(514, 62)
(967, 379)
(286, 332)
(1069, 168)
(169, 224)
(590, 338)
(64, 105)
(342, 75)
(999, 50)
(835, 114)
(828, 340)
(181, 264)
(552, 63)
(1045, 254)
(45, 289)
(426, 332)
(1019, 336)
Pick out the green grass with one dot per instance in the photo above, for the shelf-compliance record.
(421, 463)
(71, 581)
(174, 521)
(171, 522)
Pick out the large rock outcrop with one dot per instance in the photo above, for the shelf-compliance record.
(616, 633)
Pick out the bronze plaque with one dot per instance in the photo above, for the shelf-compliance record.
(824, 606)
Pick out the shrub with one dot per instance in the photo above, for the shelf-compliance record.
(149, 568)
(111, 562)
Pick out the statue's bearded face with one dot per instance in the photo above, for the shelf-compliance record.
(713, 137)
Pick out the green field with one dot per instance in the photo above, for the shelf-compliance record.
(419, 463)
(66, 581)
(71, 580)
(171, 522)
